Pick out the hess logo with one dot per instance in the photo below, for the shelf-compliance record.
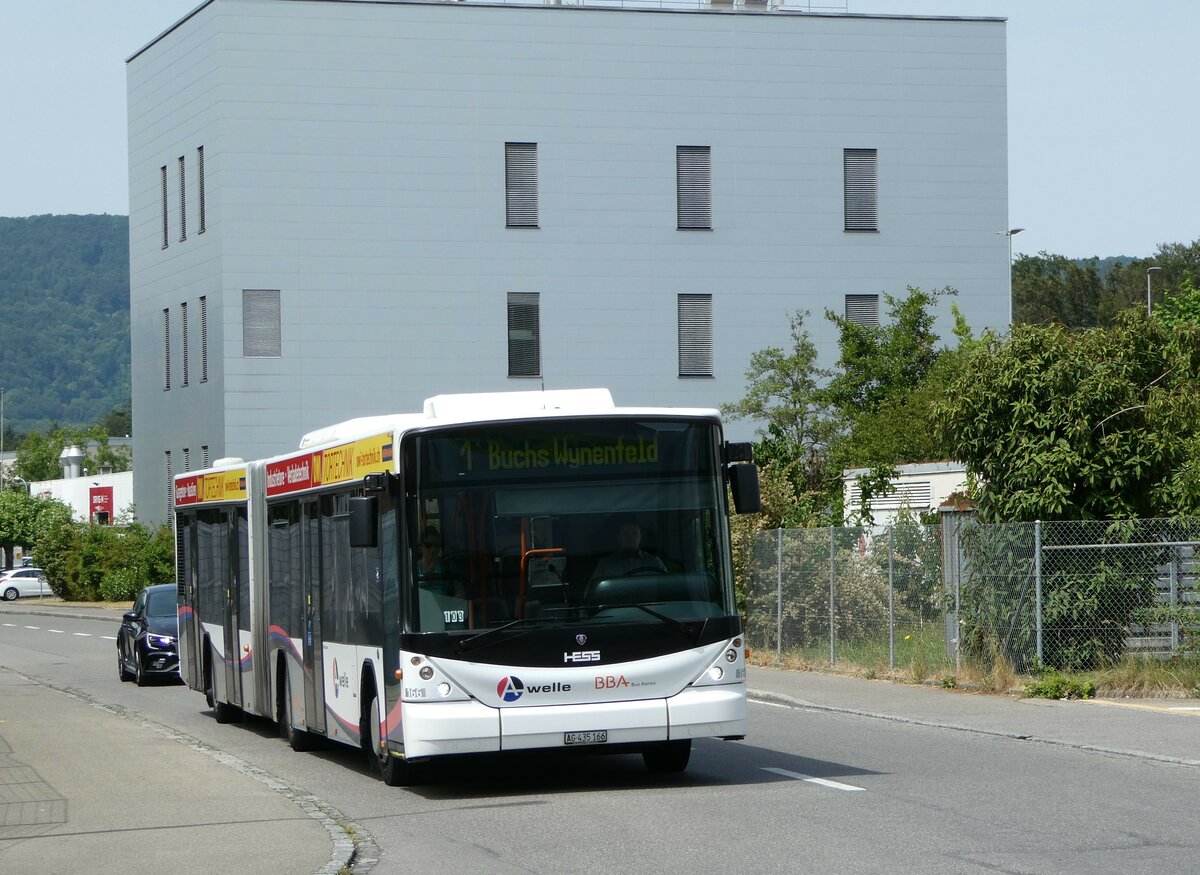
(582, 656)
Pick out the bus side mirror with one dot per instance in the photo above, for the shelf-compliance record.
(364, 520)
(743, 483)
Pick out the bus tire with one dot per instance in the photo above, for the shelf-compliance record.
(298, 739)
(670, 756)
(395, 771)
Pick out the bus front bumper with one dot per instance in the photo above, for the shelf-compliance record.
(447, 728)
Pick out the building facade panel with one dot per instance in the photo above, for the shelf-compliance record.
(355, 163)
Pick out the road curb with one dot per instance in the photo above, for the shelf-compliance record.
(771, 698)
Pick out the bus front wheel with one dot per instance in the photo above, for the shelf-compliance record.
(670, 756)
(395, 771)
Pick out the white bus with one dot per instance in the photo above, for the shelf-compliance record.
(500, 572)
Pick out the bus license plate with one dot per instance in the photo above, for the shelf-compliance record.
(595, 736)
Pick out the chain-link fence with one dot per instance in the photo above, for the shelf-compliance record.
(1072, 595)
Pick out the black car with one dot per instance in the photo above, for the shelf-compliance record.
(148, 641)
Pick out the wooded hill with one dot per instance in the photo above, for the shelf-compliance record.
(64, 320)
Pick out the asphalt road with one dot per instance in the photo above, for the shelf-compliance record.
(811, 790)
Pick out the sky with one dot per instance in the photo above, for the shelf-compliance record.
(1102, 123)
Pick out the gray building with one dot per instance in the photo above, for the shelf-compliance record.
(338, 209)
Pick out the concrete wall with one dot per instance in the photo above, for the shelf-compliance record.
(355, 162)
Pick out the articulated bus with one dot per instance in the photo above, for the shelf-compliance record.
(510, 571)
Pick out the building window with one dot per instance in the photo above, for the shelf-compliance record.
(861, 189)
(695, 336)
(863, 309)
(163, 173)
(170, 488)
(521, 185)
(261, 336)
(203, 339)
(166, 349)
(183, 333)
(182, 203)
(693, 176)
(524, 344)
(204, 456)
(200, 184)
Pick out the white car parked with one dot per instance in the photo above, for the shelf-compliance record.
(19, 582)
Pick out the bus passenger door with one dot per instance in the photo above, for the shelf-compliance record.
(189, 622)
(314, 664)
(235, 581)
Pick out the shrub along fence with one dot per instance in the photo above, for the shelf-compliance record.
(1069, 595)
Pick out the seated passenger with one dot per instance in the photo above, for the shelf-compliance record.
(432, 573)
(630, 556)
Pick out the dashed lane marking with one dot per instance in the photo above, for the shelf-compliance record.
(109, 637)
(836, 785)
(57, 631)
(83, 634)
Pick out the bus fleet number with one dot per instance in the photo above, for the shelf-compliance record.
(455, 616)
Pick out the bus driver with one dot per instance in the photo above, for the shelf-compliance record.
(629, 556)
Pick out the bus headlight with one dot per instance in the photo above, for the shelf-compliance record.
(716, 673)
(731, 655)
(443, 689)
(426, 672)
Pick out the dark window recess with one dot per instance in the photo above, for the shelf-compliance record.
(861, 189)
(163, 173)
(695, 336)
(200, 184)
(183, 334)
(524, 335)
(203, 340)
(863, 309)
(166, 349)
(521, 185)
(261, 335)
(182, 202)
(693, 173)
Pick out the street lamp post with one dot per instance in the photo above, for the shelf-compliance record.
(1010, 233)
(1149, 271)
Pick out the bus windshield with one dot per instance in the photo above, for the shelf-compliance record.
(617, 519)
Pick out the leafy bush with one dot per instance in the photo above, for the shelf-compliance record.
(1054, 685)
(88, 562)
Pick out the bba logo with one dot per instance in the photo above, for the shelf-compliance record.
(510, 689)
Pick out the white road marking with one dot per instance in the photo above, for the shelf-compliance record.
(109, 637)
(14, 625)
(33, 627)
(1185, 710)
(810, 779)
(57, 631)
(774, 705)
(83, 634)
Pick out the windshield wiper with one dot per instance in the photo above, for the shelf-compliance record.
(678, 625)
(463, 645)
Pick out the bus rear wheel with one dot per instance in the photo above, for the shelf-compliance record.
(670, 756)
(395, 771)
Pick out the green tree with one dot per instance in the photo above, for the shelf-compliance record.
(1054, 289)
(24, 519)
(1094, 424)
(37, 458)
(783, 393)
(879, 363)
(891, 378)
